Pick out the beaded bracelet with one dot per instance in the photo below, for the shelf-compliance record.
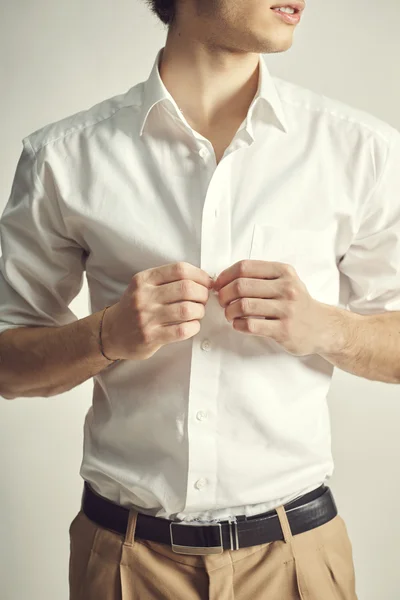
(101, 341)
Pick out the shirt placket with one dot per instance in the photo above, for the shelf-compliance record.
(215, 253)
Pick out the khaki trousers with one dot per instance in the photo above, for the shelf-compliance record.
(314, 565)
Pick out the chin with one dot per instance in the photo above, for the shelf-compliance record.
(281, 47)
(271, 46)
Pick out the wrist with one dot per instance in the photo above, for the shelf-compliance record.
(338, 331)
(106, 334)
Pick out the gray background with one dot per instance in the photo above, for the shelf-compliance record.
(57, 58)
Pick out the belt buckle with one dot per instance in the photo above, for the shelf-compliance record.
(180, 549)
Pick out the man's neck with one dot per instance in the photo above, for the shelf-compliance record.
(209, 85)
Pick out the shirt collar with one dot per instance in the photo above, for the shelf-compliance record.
(155, 92)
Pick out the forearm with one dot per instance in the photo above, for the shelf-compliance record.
(366, 345)
(45, 361)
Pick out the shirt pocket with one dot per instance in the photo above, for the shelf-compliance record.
(309, 251)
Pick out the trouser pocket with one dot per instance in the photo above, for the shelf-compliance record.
(324, 562)
(95, 552)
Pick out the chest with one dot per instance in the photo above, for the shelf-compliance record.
(220, 141)
(219, 147)
(221, 137)
(137, 208)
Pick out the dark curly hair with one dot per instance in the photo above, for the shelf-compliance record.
(164, 9)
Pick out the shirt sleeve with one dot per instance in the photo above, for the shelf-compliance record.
(372, 262)
(41, 267)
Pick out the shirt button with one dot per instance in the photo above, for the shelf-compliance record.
(214, 291)
(201, 415)
(200, 483)
(203, 152)
(206, 345)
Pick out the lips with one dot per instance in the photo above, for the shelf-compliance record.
(297, 6)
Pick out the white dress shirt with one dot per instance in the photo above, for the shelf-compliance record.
(224, 423)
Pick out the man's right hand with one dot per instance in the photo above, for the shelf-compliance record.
(160, 306)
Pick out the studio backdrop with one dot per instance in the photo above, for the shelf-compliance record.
(58, 58)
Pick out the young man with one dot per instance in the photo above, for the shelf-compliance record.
(213, 208)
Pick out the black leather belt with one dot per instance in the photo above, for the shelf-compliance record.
(307, 512)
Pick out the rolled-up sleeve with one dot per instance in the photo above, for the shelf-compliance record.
(372, 262)
(41, 267)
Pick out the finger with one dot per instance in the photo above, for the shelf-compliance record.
(257, 269)
(254, 307)
(250, 288)
(168, 334)
(180, 312)
(177, 272)
(179, 291)
(262, 327)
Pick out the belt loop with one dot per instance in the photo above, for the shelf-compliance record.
(131, 528)
(287, 532)
(289, 539)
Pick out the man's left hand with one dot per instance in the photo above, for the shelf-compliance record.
(273, 290)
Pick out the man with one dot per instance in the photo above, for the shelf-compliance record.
(213, 208)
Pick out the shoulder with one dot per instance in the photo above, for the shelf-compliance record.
(83, 122)
(338, 116)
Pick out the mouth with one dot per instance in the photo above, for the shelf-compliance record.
(297, 7)
(291, 13)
